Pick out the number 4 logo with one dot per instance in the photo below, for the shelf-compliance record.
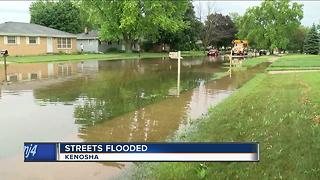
(30, 150)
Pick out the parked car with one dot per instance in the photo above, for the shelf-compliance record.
(262, 52)
(213, 52)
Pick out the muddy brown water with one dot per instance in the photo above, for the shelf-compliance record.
(107, 101)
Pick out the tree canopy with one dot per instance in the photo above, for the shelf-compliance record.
(186, 38)
(61, 15)
(312, 41)
(131, 20)
(219, 30)
(297, 39)
(271, 24)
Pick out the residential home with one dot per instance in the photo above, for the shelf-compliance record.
(160, 48)
(91, 43)
(33, 39)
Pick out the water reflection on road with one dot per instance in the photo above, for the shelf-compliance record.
(101, 101)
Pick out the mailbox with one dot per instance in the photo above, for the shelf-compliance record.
(4, 53)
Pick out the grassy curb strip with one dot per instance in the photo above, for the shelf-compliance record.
(108, 56)
(251, 62)
(258, 60)
(282, 112)
(296, 62)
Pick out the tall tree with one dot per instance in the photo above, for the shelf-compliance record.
(61, 15)
(312, 42)
(297, 39)
(271, 24)
(219, 30)
(129, 20)
(186, 38)
(235, 17)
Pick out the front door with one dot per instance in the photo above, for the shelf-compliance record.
(49, 45)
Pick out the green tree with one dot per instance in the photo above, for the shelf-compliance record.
(186, 38)
(271, 24)
(312, 42)
(235, 17)
(129, 20)
(61, 15)
(219, 30)
(297, 39)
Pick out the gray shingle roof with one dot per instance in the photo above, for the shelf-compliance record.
(28, 29)
(90, 35)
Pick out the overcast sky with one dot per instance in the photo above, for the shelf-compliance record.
(311, 9)
(19, 10)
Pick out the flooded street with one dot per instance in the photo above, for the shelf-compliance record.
(107, 101)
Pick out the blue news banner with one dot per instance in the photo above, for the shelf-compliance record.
(116, 152)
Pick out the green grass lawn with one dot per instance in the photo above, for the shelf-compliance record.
(296, 62)
(251, 62)
(281, 112)
(107, 56)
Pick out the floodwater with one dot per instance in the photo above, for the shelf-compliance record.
(108, 101)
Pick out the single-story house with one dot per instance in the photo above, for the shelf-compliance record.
(91, 43)
(33, 39)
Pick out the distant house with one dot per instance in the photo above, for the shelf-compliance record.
(91, 43)
(33, 39)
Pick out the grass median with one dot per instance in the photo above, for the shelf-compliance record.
(107, 56)
(251, 62)
(258, 60)
(282, 112)
(296, 62)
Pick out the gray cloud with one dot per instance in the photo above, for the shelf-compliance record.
(14, 11)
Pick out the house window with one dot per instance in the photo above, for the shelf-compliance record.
(33, 40)
(64, 43)
(11, 40)
(13, 78)
(33, 76)
(68, 43)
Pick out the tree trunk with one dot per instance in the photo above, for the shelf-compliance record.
(128, 47)
(271, 51)
(127, 43)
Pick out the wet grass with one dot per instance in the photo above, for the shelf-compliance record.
(255, 61)
(251, 62)
(107, 56)
(282, 112)
(296, 62)
(219, 75)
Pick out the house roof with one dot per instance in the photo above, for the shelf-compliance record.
(29, 29)
(93, 34)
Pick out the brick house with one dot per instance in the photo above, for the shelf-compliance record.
(33, 39)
